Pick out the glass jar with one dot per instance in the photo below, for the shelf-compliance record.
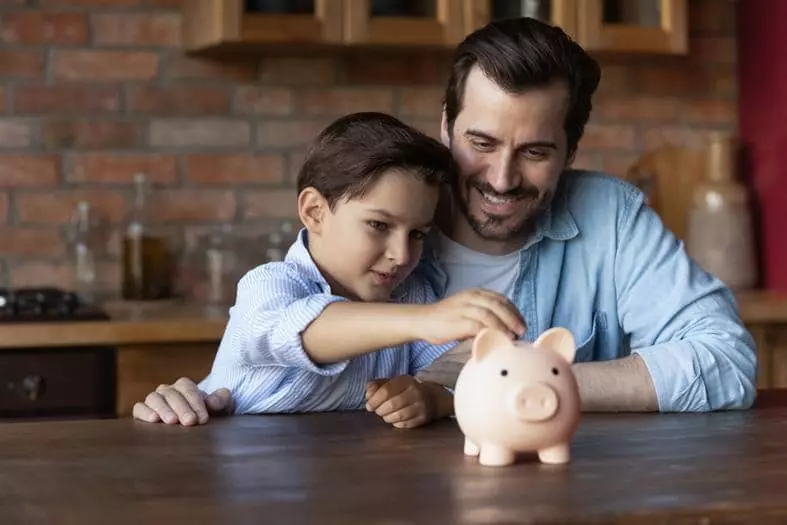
(147, 259)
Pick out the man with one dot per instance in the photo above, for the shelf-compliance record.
(569, 248)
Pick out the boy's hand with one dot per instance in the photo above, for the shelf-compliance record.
(406, 402)
(464, 314)
(182, 402)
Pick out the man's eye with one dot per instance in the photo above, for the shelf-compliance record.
(481, 145)
(536, 154)
(377, 225)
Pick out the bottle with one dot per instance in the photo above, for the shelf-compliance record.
(147, 265)
(83, 228)
(720, 234)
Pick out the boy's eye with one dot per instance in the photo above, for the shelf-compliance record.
(377, 225)
(417, 235)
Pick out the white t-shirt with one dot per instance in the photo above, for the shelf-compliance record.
(467, 268)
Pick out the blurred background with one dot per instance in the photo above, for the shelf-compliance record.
(148, 152)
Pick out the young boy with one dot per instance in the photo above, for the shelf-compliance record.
(343, 323)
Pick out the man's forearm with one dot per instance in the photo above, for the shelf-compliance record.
(620, 385)
(348, 329)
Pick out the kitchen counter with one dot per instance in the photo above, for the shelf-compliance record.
(156, 343)
(762, 307)
(130, 324)
(186, 322)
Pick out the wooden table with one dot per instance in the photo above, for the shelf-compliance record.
(348, 468)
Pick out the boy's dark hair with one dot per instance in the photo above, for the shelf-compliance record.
(523, 53)
(349, 155)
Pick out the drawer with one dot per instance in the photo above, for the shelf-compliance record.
(57, 382)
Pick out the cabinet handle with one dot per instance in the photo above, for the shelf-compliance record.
(34, 387)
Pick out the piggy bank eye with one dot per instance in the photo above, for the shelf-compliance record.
(555, 372)
(504, 372)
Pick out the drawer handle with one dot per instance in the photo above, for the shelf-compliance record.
(34, 387)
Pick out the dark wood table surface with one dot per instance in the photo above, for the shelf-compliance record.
(352, 468)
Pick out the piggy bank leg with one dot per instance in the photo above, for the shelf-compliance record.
(496, 456)
(471, 449)
(557, 454)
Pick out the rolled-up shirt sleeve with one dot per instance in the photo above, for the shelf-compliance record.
(682, 321)
(274, 306)
(422, 353)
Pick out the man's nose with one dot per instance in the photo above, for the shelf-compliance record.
(502, 174)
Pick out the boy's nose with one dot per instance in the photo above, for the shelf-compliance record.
(399, 253)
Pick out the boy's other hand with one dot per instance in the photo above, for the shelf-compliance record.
(403, 401)
(466, 313)
(184, 403)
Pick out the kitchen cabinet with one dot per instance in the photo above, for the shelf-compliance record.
(142, 368)
(561, 13)
(404, 23)
(219, 25)
(653, 26)
(227, 25)
(647, 26)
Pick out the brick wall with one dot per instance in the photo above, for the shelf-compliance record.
(93, 91)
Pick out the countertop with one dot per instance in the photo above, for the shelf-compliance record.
(131, 324)
(186, 322)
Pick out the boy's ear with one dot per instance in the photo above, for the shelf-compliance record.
(312, 208)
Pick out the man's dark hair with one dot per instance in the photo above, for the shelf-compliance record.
(349, 155)
(523, 53)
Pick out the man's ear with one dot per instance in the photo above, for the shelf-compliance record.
(445, 137)
(572, 156)
(312, 208)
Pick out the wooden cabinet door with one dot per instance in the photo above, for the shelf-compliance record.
(403, 22)
(562, 13)
(651, 26)
(226, 24)
(142, 368)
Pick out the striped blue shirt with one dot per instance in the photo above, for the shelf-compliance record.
(261, 357)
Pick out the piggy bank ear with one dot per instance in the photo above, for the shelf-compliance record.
(559, 340)
(488, 340)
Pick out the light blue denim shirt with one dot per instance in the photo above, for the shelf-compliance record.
(261, 357)
(602, 264)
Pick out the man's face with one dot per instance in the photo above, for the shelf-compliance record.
(511, 149)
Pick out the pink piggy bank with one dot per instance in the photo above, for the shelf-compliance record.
(513, 396)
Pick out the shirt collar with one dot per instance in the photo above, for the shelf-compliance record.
(556, 222)
(299, 255)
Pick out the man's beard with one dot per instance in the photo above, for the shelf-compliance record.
(492, 228)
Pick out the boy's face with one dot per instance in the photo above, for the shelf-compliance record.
(367, 246)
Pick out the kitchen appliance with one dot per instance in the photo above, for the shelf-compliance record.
(45, 305)
(53, 381)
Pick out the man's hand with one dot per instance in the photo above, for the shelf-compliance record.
(463, 315)
(184, 403)
(406, 402)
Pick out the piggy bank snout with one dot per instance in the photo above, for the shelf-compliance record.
(535, 402)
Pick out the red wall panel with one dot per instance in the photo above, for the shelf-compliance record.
(762, 74)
